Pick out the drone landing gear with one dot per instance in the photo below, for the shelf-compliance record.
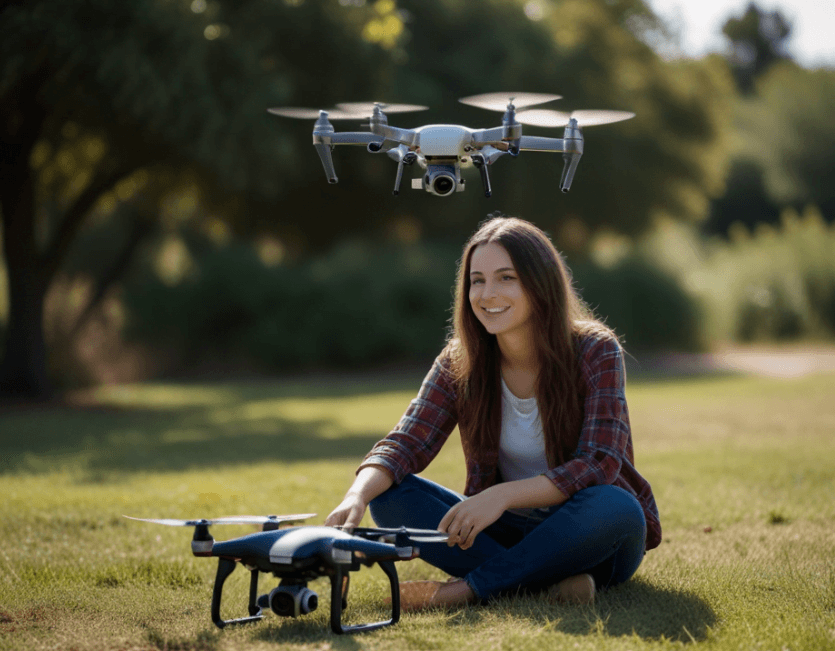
(480, 163)
(406, 159)
(225, 567)
(338, 600)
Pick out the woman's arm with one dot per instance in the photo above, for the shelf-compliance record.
(464, 521)
(370, 482)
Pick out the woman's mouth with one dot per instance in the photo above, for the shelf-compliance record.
(496, 310)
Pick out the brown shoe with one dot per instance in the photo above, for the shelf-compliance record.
(420, 595)
(578, 589)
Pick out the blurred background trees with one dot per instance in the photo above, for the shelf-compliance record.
(157, 219)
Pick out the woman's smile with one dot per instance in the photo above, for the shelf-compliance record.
(496, 294)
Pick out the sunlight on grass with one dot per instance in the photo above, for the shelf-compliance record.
(743, 470)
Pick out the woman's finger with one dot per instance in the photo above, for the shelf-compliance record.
(449, 516)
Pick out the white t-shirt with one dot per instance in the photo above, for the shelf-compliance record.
(521, 443)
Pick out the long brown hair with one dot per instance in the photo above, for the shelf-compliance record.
(559, 318)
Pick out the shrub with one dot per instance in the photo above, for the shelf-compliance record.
(772, 284)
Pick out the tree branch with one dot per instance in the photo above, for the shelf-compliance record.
(57, 249)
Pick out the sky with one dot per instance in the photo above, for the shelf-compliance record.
(699, 25)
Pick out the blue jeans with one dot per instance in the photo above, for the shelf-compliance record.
(600, 531)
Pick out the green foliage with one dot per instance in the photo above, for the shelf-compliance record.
(784, 152)
(364, 304)
(772, 284)
(757, 38)
(360, 305)
(643, 303)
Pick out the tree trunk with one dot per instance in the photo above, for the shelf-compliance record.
(23, 371)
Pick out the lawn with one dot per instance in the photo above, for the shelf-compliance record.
(743, 469)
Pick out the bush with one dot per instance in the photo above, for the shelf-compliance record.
(359, 305)
(642, 303)
(773, 284)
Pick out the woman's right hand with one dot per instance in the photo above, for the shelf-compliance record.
(349, 513)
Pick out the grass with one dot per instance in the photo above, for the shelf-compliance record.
(743, 470)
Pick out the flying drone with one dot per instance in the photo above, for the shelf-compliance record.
(444, 149)
(297, 555)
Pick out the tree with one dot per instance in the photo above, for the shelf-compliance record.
(104, 104)
(99, 99)
(758, 41)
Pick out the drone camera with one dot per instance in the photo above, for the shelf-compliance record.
(442, 180)
(293, 600)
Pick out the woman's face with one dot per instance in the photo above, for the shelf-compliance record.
(496, 293)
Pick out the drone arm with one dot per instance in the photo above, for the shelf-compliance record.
(345, 138)
(371, 549)
(488, 136)
(400, 136)
(225, 567)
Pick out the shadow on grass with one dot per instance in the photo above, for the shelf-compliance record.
(136, 440)
(180, 426)
(634, 608)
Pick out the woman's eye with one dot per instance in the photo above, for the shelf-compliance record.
(477, 281)
(506, 277)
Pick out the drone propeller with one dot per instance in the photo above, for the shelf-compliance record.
(235, 519)
(585, 118)
(365, 109)
(499, 101)
(313, 114)
(415, 535)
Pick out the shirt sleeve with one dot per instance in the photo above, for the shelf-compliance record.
(605, 437)
(422, 430)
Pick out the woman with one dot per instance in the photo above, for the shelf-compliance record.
(536, 387)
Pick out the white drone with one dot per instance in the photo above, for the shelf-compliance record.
(443, 149)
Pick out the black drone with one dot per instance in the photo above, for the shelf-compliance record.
(443, 149)
(297, 555)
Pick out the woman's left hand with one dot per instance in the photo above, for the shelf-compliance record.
(464, 521)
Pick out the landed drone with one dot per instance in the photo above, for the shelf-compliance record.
(444, 149)
(297, 555)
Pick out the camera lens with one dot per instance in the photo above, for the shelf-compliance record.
(444, 185)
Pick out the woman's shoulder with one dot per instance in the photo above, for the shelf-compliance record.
(594, 338)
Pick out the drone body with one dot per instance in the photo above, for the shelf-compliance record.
(297, 555)
(442, 150)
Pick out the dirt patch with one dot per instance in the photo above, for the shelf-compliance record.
(767, 361)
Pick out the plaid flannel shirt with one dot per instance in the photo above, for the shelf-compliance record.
(604, 453)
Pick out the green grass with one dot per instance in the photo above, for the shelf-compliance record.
(743, 470)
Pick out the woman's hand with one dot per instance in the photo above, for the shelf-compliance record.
(349, 513)
(464, 521)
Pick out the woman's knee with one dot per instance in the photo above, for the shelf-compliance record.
(614, 505)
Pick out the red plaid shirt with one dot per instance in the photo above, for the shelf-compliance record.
(604, 453)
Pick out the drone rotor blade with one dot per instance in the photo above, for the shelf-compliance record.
(585, 118)
(543, 118)
(261, 519)
(438, 537)
(590, 118)
(499, 101)
(364, 109)
(313, 114)
(416, 535)
(235, 519)
(170, 522)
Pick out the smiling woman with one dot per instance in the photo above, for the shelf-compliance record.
(536, 386)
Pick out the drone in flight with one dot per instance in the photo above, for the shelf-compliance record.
(297, 555)
(444, 149)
